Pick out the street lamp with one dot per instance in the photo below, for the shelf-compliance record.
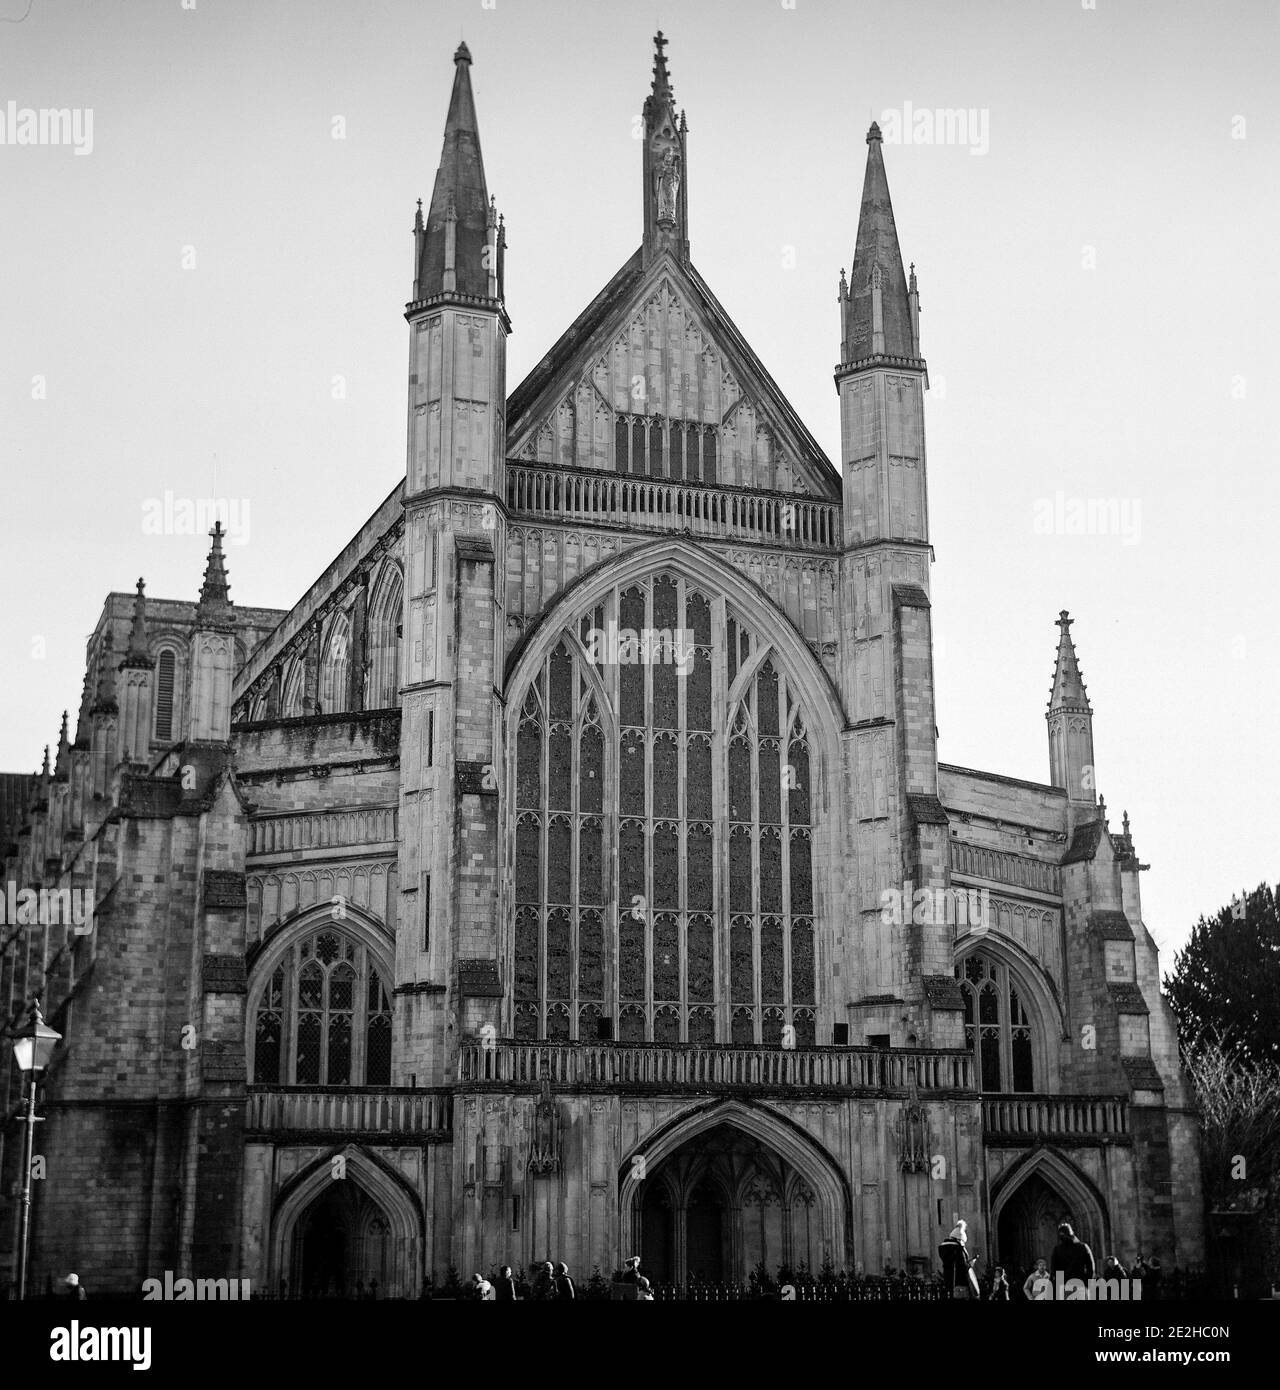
(33, 1046)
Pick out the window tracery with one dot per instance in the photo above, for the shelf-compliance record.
(710, 915)
(323, 1016)
(996, 1025)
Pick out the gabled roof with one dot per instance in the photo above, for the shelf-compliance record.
(582, 330)
(609, 315)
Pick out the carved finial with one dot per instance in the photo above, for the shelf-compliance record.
(463, 54)
(844, 285)
(138, 632)
(214, 600)
(874, 134)
(1102, 808)
(1125, 823)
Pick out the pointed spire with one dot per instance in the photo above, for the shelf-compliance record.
(666, 204)
(46, 771)
(105, 700)
(214, 607)
(459, 197)
(1068, 691)
(661, 90)
(137, 653)
(877, 319)
(62, 767)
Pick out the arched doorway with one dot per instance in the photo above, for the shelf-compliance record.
(729, 1190)
(1035, 1196)
(347, 1227)
(1028, 1228)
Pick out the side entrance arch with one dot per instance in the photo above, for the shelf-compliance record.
(347, 1226)
(1037, 1194)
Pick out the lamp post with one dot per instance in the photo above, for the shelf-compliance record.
(33, 1046)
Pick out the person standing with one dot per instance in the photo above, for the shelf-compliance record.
(564, 1284)
(1071, 1258)
(544, 1283)
(73, 1289)
(957, 1263)
(504, 1286)
(999, 1286)
(1038, 1287)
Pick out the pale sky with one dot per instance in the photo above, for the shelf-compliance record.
(1099, 290)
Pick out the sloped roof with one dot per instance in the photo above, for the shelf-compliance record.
(1084, 843)
(607, 316)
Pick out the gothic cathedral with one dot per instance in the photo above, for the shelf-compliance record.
(570, 873)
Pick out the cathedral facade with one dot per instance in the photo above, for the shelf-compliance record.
(570, 873)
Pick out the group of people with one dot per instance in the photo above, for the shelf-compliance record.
(549, 1282)
(553, 1282)
(1071, 1258)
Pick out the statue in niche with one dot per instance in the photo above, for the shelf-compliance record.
(544, 1156)
(668, 179)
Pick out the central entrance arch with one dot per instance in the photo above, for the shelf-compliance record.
(728, 1188)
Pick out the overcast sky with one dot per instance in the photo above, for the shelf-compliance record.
(1099, 280)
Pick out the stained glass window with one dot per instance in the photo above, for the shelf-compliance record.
(620, 734)
(323, 1017)
(997, 1029)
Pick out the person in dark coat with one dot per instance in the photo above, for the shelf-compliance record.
(564, 1284)
(1071, 1257)
(73, 1289)
(544, 1283)
(957, 1264)
(504, 1286)
(999, 1286)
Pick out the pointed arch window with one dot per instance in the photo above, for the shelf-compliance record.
(323, 1016)
(294, 690)
(385, 626)
(166, 668)
(997, 1028)
(335, 671)
(624, 830)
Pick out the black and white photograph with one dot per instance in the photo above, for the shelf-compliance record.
(524, 779)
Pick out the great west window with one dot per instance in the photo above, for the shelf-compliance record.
(662, 734)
